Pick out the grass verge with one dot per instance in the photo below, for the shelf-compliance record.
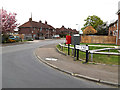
(97, 58)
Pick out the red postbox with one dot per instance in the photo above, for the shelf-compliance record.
(68, 39)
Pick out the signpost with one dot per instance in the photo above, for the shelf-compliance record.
(83, 47)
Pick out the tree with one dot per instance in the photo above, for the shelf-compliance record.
(7, 21)
(102, 29)
(93, 21)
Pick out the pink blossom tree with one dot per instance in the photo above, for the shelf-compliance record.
(7, 22)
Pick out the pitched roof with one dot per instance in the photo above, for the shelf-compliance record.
(27, 24)
(36, 25)
(89, 29)
(113, 23)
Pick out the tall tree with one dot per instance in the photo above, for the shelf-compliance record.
(103, 29)
(7, 21)
(93, 21)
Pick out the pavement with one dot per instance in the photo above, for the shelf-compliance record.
(101, 73)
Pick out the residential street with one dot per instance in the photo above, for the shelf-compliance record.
(22, 69)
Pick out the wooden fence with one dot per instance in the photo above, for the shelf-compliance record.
(99, 39)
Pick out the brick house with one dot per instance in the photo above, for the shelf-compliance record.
(64, 31)
(113, 29)
(118, 39)
(36, 30)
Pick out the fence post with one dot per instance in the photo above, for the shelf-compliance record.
(86, 55)
(91, 57)
(108, 51)
(77, 54)
(62, 48)
(68, 49)
(74, 52)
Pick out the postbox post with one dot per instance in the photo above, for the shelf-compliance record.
(68, 41)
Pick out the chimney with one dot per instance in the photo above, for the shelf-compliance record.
(45, 22)
(30, 19)
(62, 26)
(40, 21)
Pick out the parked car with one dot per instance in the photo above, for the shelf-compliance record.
(56, 37)
(11, 39)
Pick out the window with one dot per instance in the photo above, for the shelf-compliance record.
(41, 29)
(114, 25)
(34, 29)
(46, 29)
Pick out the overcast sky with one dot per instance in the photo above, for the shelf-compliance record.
(61, 12)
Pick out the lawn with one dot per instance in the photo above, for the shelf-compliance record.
(97, 58)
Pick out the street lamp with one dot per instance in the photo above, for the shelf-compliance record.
(32, 34)
(80, 31)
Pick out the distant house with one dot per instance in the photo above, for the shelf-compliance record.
(89, 30)
(36, 30)
(113, 29)
(64, 31)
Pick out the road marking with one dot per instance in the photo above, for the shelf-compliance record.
(51, 59)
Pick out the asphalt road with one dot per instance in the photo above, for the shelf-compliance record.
(21, 69)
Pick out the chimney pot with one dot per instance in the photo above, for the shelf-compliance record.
(40, 21)
(45, 22)
(30, 19)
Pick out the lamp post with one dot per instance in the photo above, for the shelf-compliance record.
(32, 34)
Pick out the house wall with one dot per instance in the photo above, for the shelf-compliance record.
(118, 42)
(112, 28)
(24, 31)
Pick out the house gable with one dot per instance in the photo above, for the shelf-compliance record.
(89, 30)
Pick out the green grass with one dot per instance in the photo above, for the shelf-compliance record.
(97, 58)
(25, 40)
(96, 47)
(115, 51)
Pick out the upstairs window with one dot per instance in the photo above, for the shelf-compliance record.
(41, 29)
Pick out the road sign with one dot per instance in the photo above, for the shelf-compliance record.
(82, 47)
